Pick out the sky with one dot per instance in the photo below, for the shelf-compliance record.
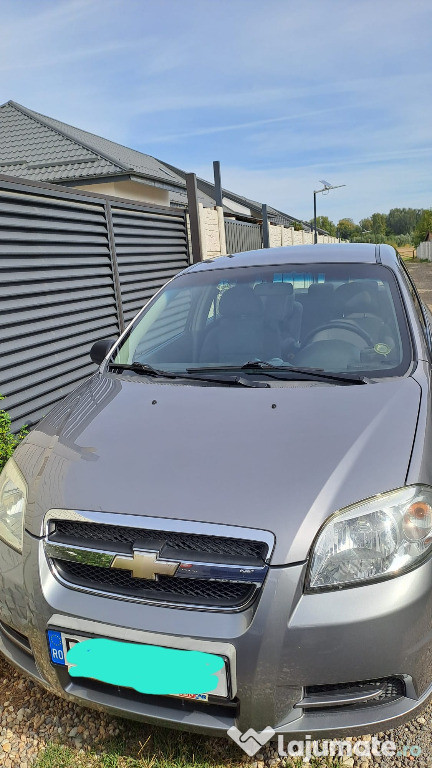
(283, 92)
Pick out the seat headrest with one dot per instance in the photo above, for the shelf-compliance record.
(360, 303)
(358, 296)
(274, 289)
(277, 299)
(240, 301)
(347, 290)
(319, 289)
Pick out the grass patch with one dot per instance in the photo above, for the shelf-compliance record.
(57, 756)
(142, 746)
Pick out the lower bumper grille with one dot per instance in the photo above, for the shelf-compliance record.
(367, 693)
(16, 637)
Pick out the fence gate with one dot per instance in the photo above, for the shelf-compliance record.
(242, 236)
(73, 267)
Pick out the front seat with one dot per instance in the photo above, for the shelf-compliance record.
(281, 311)
(360, 304)
(240, 333)
(318, 307)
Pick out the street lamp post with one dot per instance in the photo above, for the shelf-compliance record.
(326, 188)
(315, 224)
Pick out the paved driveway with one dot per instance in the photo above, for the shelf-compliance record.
(422, 276)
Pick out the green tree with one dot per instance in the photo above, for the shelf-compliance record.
(379, 226)
(323, 222)
(347, 229)
(401, 221)
(424, 226)
(366, 225)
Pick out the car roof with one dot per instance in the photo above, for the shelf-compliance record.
(321, 253)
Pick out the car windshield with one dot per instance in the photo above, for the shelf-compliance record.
(338, 318)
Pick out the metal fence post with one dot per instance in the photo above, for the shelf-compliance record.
(217, 183)
(114, 266)
(265, 227)
(195, 230)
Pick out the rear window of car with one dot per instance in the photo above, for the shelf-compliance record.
(334, 317)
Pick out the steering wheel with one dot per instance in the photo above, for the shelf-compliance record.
(338, 324)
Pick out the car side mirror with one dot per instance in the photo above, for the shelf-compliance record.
(100, 349)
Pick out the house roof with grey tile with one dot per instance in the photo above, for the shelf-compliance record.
(44, 149)
(40, 148)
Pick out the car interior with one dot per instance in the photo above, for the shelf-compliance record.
(335, 326)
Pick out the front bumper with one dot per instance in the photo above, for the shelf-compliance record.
(276, 648)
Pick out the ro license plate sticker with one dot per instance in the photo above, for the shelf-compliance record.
(60, 643)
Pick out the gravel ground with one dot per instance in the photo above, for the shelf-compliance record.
(31, 719)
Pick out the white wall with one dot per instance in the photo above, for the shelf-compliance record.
(275, 236)
(212, 231)
(130, 190)
(424, 251)
(233, 206)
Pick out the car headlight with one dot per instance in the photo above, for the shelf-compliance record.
(375, 539)
(13, 499)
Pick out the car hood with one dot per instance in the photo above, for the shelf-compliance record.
(281, 458)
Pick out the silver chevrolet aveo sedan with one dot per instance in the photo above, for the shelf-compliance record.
(285, 530)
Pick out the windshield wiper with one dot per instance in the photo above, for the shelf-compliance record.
(142, 368)
(268, 369)
(318, 372)
(149, 370)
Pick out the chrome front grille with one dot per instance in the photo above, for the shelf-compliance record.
(202, 591)
(213, 567)
(176, 541)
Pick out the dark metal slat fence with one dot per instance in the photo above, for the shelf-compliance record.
(242, 236)
(73, 267)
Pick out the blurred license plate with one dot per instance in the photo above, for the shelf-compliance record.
(60, 644)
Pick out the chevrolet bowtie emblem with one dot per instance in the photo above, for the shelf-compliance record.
(145, 565)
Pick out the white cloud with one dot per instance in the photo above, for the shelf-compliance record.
(283, 92)
(241, 126)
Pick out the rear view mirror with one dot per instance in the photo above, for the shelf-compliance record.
(100, 349)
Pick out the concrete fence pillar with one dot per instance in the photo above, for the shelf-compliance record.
(221, 225)
(287, 235)
(212, 230)
(202, 230)
(275, 236)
